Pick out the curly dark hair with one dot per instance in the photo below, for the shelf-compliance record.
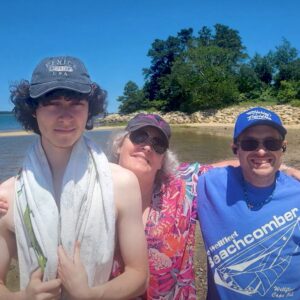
(25, 106)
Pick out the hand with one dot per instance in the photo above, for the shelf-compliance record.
(73, 274)
(3, 207)
(39, 290)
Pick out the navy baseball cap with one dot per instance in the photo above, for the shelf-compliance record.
(142, 120)
(257, 116)
(61, 72)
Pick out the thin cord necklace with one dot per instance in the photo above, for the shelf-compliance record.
(252, 205)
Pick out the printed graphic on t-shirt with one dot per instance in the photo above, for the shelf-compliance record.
(253, 264)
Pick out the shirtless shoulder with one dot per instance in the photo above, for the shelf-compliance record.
(126, 188)
(121, 176)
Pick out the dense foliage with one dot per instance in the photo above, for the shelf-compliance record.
(212, 70)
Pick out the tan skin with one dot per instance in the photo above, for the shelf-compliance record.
(259, 166)
(61, 123)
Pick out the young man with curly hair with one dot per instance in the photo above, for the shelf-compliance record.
(68, 204)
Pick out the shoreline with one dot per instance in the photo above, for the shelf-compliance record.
(212, 127)
(212, 120)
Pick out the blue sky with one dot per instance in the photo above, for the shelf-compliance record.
(113, 37)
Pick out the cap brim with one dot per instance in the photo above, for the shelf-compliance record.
(37, 90)
(134, 128)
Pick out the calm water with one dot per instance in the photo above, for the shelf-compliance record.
(190, 144)
(9, 123)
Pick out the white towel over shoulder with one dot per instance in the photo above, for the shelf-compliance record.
(87, 212)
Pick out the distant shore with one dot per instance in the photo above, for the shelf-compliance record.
(213, 121)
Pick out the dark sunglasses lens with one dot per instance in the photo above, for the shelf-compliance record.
(249, 145)
(273, 144)
(138, 136)
(269, 144)
(159, 145)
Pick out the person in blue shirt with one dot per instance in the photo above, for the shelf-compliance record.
(249, 216)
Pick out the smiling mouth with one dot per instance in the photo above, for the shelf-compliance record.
(64, 130)
(261, 162)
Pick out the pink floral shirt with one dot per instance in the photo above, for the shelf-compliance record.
(170, 233)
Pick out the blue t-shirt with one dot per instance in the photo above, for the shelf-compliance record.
(252, 254)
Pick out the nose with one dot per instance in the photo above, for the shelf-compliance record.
(65, 113)
(261, 150)
(147, 147)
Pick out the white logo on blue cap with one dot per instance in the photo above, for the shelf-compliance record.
(258, 115)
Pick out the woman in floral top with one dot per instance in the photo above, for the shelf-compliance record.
(169, 212)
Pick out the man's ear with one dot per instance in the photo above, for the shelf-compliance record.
(89, 124)
(284, 145)
(234, 149)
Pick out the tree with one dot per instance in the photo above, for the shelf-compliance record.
(162, 81)
(248, 81)
(263, 67)
(189, 73)
(230, 39)
(289, 91)
(163, 54)
(284, 54)
(205, 36)
(203, 80)
(132, 99)
(285, 61)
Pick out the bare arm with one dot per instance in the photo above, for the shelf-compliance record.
(36, 289)
(132, 242)
(131, 238)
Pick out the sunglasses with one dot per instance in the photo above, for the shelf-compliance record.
(269, 144)
(158, 144)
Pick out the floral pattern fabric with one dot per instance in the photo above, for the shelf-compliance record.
(170, 233)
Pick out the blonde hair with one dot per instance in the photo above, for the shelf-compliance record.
(170, 162)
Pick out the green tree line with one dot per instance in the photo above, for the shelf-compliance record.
(212, 70)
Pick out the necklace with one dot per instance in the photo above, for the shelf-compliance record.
(252, 205)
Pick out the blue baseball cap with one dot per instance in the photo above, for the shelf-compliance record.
(142, 120)
(257, 116)
(61, 72)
